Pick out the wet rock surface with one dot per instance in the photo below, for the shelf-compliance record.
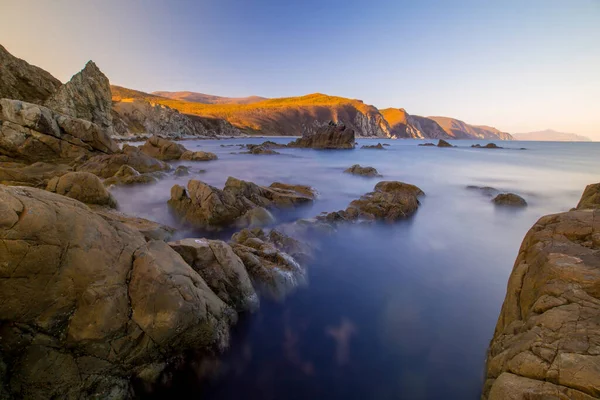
(356, 169)
(331, 136)
(546, 342)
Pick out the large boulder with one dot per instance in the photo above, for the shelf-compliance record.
(331, 136)
(221, 269)
(208, 207)
(509, 200)
(127, 175)
(443, 143)
(87, 303)
(590, 197)
(82, 186)
(106, 166)
(356, 169)
(20, 80)
(86, 96)
(198, 156)
(547, 339)
(162, 149)
(33, 133)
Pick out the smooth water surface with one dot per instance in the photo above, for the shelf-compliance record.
(402, 311)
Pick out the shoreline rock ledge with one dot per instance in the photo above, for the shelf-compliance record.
(547, 340)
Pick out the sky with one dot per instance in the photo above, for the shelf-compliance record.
(518, 65)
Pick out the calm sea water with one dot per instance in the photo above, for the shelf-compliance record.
(401, 311)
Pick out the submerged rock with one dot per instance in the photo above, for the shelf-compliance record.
(260, 150)
(356, 169)
(485, 190)
(82, 186)
(378, 146)
(487, 146)
(590, 198)
(331, 136)
(427, 144)
(443, 143)
(88, 303)
(546, 342)
(182, 170)
(221, 269)
(206, 206)
(509, 199)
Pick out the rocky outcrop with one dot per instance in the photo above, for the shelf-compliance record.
(86, 96)
(88, 303)
(332, 136)
(404, 125)
(443, 143)
(356, 169)
(31, 133)
(198, 156)
(82, 186)
(162, 149)
(221, 269)
(458, 129)
(377, 146)
(206, 206)
(35, 175)
(547, 339)
(590, 198)
(487, 146)
(510, 200)
(20, 80)
(149, 229)
(106, 166)
(127, 175)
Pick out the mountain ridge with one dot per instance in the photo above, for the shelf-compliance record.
(204, 98)
(551, 135)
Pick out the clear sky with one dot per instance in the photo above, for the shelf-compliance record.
(518, 65)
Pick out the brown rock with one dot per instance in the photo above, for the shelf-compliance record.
(82, 186)
(443, 143)
(198, 156)
(509, 199)
(377, 146)
(356, 169)
(149, 229)
(106, 166)
(331, 136)
(487, 146)
(163, 149)
(127, 175)
(590, 198)
(36, 175)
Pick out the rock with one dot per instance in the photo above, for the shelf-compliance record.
(256, 217)
(387, 144)
(87, 301)
(293, 190)
(268, 145)
(378, 146)
(547, 339)
(106, 166)
(162, 149)
(443, 143)
(182, 170)
(590, 197)
(198, 156)
(206, 206)
(34, 133)
(82, 186)
(23, 81)
(485, 190)
(356, 169)
(427, 144)
(509, 199)
(35, 175)
(149, 229)
(260, 150)
(331, 136)
(273, 271)
(487, 146)
(86, 96)
(221, 269)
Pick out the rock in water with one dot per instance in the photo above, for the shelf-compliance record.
(546, 342)
(206, 206)
(162, 149)
(377, 146)
(487, 146)
(509, 199)
(590, 197)
(443, 143)
(87, 302)
(356, 169)
(198, 156)
(331, 136)
(23, 81)
(106, 166)
(86, 96)
(221, 269)
(82, 186)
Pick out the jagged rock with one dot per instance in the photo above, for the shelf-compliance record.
(377, 146)
(127, 175)
(356, 169)
(509, 199)
(106, 166)
(33, 133)
(163, 149)
(87, 301)
(36, 175)
(547, 339)
(82, 186)
(331, 136)
(181, 170)
(274, 272)
(487, 146)
(256, 217)
(443, 143)
(292, 190)
(206, 206)
(590, 197)
(23, 81)
(86, 96)
(198, 156)
(221, 269)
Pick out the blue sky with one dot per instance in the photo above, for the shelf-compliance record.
(518, 65)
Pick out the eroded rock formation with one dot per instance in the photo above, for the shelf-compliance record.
(331, 136)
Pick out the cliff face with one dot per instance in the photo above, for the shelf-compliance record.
(404, 125)
(458, 129)
(547, 340)
(20, 80)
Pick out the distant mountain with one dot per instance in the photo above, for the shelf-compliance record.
(208, 98)
(550, 135)
(461, 130)
(404, 125)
